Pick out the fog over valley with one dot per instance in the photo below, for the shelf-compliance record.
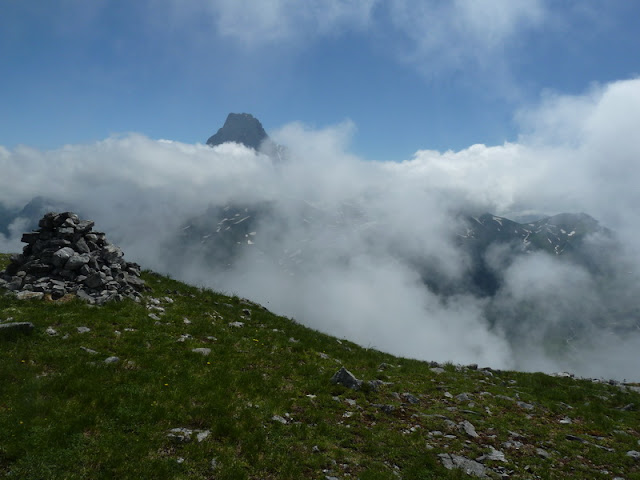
(386, 253)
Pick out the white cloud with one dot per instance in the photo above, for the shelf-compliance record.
(357, 275)
(450, 34)
(261, 24)
(432, 36)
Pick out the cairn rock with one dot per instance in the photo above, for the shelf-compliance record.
(65, 256)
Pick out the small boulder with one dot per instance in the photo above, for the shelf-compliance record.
(202, 351)
(346, 378)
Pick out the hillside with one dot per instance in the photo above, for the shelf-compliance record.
(193, 384)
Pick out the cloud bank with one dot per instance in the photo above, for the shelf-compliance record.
(339, 253)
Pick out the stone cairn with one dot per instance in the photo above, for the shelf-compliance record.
(64, 256)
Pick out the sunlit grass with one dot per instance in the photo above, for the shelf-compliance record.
(65, 413)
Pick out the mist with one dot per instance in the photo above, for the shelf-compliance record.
(338, 249)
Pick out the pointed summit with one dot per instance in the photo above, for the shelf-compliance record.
(241, 128)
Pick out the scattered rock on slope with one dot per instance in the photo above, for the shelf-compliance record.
(64, 256)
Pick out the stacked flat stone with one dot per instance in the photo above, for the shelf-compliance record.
(64, 256)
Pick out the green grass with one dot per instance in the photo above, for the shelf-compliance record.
(65, 414)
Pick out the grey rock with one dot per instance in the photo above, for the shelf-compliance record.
(463, 397)
(81, 246)
(202, 351)
(83, 329)
(526, 406)
(112, 254)
(51, 331)
(12, 328)
(39, 268)
(385, 408)
(543, 453)
(27, 295)
(451, 461)
(111, 360)
(61, 257)
(633, 454)
(84, 226)
(14, 284)
(376, 384)
(493, 454)
(182, 435)
(574, 438)
(89, 350)
(77, 261)
(468, 428)
(346, 378)
(410, 398)
(437, 370)
(82, 295)
(279, 419)
(95, 280)
(236, 324)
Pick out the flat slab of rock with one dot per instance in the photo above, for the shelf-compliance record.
(451, 461)
(183, 435)
(468, 428)
(13, 328)
(27, 295)
(202, 351)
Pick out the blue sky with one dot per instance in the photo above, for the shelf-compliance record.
(409, 74)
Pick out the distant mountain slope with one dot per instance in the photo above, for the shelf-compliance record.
(223, 233)
(555, 234)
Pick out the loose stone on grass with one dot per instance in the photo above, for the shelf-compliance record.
(15, 328)
(451, 461)
(346, 378)
(202, 351)
(468, 428)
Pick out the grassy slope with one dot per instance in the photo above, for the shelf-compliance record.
(64, 413)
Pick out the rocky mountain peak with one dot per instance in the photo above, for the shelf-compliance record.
(241, 128)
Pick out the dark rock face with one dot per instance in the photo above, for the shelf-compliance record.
(64, 256)
(241, 128)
